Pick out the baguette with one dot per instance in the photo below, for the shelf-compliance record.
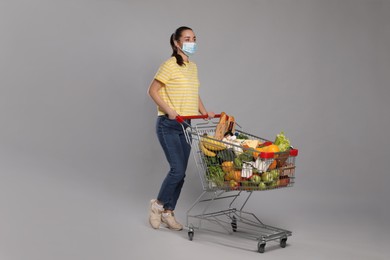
(220, 129)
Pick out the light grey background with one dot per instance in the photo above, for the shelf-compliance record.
(79, 160)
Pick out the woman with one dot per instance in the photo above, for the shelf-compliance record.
(174, 89)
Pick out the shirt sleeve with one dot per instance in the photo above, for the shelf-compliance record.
(164, 73)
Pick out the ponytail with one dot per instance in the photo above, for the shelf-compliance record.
(179, 58)
(175, 37)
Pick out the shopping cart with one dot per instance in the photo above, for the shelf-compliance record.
(231, 170)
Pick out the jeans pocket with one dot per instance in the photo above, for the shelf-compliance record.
(167, 122)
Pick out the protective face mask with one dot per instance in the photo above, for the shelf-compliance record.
(189, 48)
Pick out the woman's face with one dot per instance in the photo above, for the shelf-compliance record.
(186, 36)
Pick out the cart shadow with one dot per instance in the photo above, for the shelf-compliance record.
(236, 240)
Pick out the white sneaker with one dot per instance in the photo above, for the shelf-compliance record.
(155, 214)
(168, 219)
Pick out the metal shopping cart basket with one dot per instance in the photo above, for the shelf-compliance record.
(231, 170)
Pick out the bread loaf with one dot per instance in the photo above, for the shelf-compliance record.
(221, 127)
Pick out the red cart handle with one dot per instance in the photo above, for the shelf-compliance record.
(181, 119)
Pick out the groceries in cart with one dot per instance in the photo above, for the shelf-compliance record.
(232, 164)
(235, 160)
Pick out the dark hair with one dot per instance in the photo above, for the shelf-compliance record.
(175, 37)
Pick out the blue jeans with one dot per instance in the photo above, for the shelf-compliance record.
(177, 151)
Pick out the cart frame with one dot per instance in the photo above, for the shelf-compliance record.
(233, 219)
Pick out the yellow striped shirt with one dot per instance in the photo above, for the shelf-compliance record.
(181, 87)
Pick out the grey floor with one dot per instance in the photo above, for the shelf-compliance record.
(60, 214)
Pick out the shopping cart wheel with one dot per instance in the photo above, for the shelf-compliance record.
(190, 234)
(234, 224)
(261, 247)
(283, 242)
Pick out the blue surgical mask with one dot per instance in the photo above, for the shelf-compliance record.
(189, 48)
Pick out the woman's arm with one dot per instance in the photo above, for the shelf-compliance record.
(154, 87)
(203, 110)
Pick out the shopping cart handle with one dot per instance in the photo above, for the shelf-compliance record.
(181, 119)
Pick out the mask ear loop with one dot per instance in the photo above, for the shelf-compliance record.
(178, 46)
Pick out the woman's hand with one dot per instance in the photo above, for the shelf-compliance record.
(172, 114)
(211, 115)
